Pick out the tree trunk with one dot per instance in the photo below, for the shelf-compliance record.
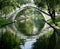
(52, 15)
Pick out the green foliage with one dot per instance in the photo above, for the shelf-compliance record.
(24, 1)
(9, 41)
(26, 27)
(44, 41)
(6, 6)
(57, 36)
(27, 18)
(3, 21)
(40, 3)
(52, 4)
(57, 21)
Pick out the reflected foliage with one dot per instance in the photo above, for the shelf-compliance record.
(58, 28)
(46, 41)
(29, 20)
(9, 41)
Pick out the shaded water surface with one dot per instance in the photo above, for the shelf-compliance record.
(28, 44)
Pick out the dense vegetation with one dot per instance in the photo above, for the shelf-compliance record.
(9, 41)
(3, 21)
(7, 6)
(26, 19)
(46, 41)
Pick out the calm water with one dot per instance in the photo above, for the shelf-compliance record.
(28, 44)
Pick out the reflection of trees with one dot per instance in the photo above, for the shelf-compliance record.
(26, 27)
(41, 43)
(27, 19)
(46, 41)
(9, 41)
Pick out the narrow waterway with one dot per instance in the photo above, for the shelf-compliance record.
(28, 44)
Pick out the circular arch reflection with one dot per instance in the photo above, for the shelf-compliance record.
(28, 21)
(33, 17)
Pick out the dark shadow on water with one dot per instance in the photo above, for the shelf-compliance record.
(43, 42)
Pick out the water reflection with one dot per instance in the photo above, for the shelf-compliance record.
(29, 21)
(46, 41)
(28, 44)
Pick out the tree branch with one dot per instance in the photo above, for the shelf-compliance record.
(37, 9)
